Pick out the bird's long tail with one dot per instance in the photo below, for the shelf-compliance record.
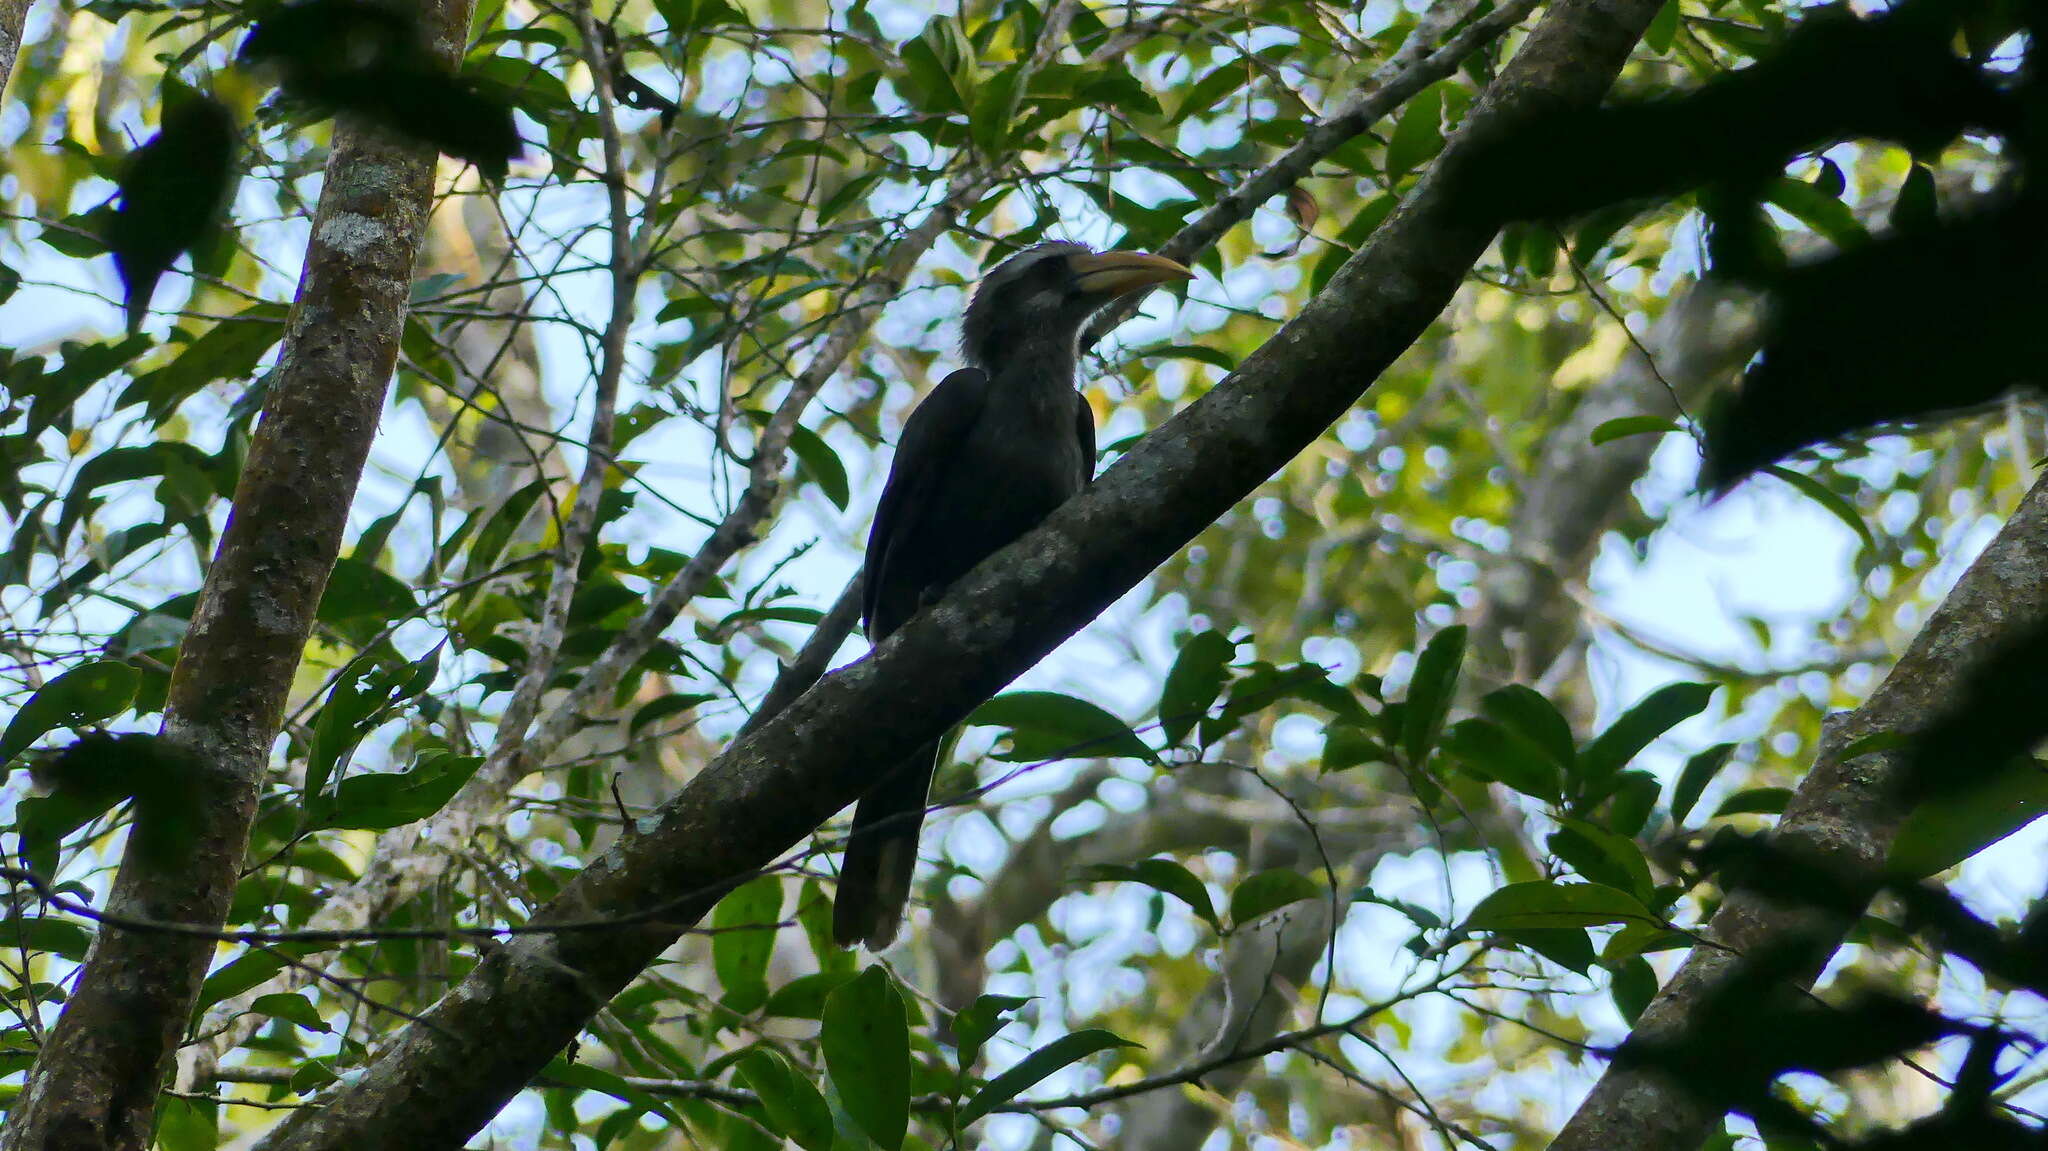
(874, 879)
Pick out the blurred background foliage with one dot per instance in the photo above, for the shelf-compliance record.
(1510, 505)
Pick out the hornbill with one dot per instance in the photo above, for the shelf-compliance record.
(996, 447)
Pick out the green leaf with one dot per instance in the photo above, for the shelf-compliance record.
(1657, 713)
(656, 710)
(1624, 426)
(1205, 94)
(1214, 357)
(817, 460)
(1755, 801)
(1568, 947)
(1699, 771)
(1161, 875)
(1955, 825)
(359, 701)
(187, 1124)
(359, 591)
(804, 997)
(1663, 28)
(1525, 711)
(1827, 498)
(497, 531)
(249, 970)
(1052, 1057)
(794, 1104)
(1048, 725)
(229, 350)
(1641, 939)
(975, 1026)
(83, 695)
(293, 1008)
(583, 1076)
(1262, 685)
(1430, 692)
(1269, 891)
(1418, 134)
(1544, 904)
(1635, 984)
(381, 800)
(175, 462)
(744, 937)
(1634, 799)
(1603, 857)
(867, 1053)
(61, 937)
(1199, 673)
(1491, 752)
(1348, 745)
(994, 115)
(1826, 215)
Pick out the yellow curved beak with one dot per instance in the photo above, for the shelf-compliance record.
(1121, 273)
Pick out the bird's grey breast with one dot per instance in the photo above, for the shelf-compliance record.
(1024, 451)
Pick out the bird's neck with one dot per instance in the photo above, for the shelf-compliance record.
(1029, 366)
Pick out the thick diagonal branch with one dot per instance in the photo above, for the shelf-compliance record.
(442, 1078)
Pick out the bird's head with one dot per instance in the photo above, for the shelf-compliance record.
(1036, 302)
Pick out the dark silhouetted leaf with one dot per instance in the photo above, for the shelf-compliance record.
(1891, 77)
(172, 191)
(359, 591)
(373, 61)
(1915, 326)
(1916, 207)
(292, 1008)
(654, 711)
(1831, 501)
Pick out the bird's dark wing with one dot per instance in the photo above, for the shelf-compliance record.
(930, 437)
(1084, 430)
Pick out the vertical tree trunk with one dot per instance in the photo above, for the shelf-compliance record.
(95, 1083)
